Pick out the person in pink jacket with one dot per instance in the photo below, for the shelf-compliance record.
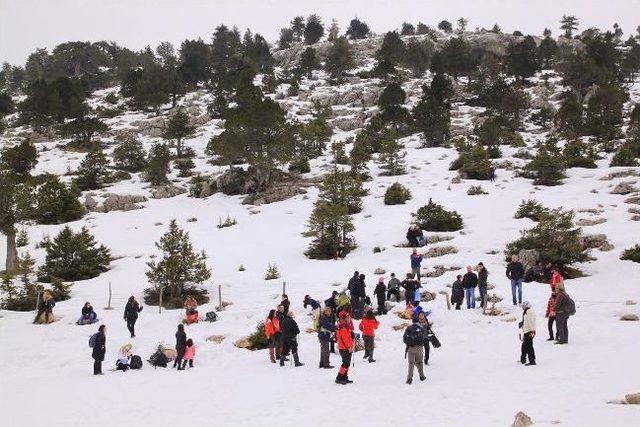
(189, 354)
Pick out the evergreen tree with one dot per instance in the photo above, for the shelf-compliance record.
(546, 168)
(334, 31)
(158, 165)
(7, 105)
(546, 51)
(298, 26)
(195, 62)
(54, 101)
(391, 102)
(286, 38)
(179, 271)
(330, 225)
(474, 163)
(604, 111)
(396, 194)
(185, 166)
(462, 25)
(308, 62)
(522, 58)
(148, 87)
(568, 120)
(407, 29)
(434, 217)
(568, 24)
(57, 203)
(422, 29)
(418, 56)
(341, 188)
(391, 52)
(432, 113)
(129, 155)
(357, 29)
(19, 159)
(445, 26)
(339, 58)
(577, 154)
(455, 58)
(314, 135)
(314, 30)
(625, 156)
(74, 256)
(93, 171)
(177, 128)
(391, 159)
(168, 60)
(83, 129)
(338, 153)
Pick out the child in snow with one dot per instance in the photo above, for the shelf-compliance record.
(189, 354)
(368, 325)
(87, 316)
(124, 355)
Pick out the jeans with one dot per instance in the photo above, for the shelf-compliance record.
(469, 294)
(516, 284)
(483, 295)
(527, 349)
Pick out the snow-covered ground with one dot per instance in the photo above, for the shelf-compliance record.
(474, 378)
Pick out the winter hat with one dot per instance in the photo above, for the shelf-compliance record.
(526, 304)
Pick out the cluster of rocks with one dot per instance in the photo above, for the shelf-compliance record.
(439, 270)
(438, 251)
(166, 191)
(596, 241)
(625, 187)
(114, 202)
(586, 222)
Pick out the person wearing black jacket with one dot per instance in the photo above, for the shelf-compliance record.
(469, 283)
(515, 273)
(285, 303)
(333, 305)
(410, 285)
(99, 350)
(325, 336)
(131, 311)
(290, 332)
(361, 295)
(352, 286)
(457, 292)
(181, 346)
(381, 293)
(483, 275)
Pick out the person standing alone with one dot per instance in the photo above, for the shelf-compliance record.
(131, 311)
(99, 350)
(528, 325)
(515, 273)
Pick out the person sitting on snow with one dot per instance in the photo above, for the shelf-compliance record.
(88, 316)
(124, 356)
(191, 308)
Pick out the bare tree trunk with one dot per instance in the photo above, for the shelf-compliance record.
(12, 252)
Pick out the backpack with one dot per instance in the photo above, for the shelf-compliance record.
(136, 362)
(414, 336)
(92, 340)
(158, 359)
(211, 316)
(571, 306)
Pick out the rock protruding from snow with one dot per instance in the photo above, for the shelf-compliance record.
(522, 420)
(632, 398)
(629, 317)
(624, 187)
(596, 241)
(166, 191)
(437, 251)
(114, 202)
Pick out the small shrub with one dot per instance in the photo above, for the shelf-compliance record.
(129, 155)
(474, 164)
(258, 340)
(196, 184)
(22, 239)
(624, 157)
(272, 272)
(631, 254)
(579, 155)
(229, 222)
(433, 217)
(476, 190)
(112, 98)
(396, 194)
(546, 168)
(531, 209)
(377, 249)
(300, 165)
(185, 166)
(241, 268)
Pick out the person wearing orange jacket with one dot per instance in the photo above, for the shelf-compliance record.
(556, 278)
(368, 325)
(271, 329)
(345, 346)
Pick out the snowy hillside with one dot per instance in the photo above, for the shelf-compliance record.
(474, 378)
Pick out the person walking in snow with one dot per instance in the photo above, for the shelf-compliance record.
(325, 336)
(457, 292)
(563, 308)
(315, 310)
(352, 285)
(271, 328)
(424, 322)
(99, 350)
(381, 293)
(413, 338)
(393, 288)
(483, 275)
(290, 331)
(131, 311)
(189, 354)
(469, 283)
(515, 273)
(181, 345)
(410, 285)
(551, 315)
(416, 261)
(368, 325)
(345, 347)
(528, 325)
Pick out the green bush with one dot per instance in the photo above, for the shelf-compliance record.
(631, 254)
(476, 190)
(185, 166)
(578, 155)
(531, 209)
(546, 168)
(624, 157)
(474, 164)
(433, 217)
(396, 194)
(129, 155)
(195, 185)
(258, 340)
(272, 272)
(57, 203)
(300, 165)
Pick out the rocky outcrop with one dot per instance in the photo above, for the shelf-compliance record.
(625, 188)
(586, 222)
(522, 420)
(166, 191)
(595, 241)
(629, 317)
(154, 127)
(114, 202)
(438, 251)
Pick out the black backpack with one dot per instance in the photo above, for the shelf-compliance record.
(414, 336)
(92, 340)
(136, 362)
(211, 316)
(158, 359)
(572, 306)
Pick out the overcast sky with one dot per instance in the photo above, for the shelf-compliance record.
(29, 24)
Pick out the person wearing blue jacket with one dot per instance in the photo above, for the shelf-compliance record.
(416, 260)
(325, 335)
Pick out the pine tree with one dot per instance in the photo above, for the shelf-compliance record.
(297, 27)
(338, 153)
(158, 165)
(74, 256)
(432, 113)
(341, 188)
(19, 159)
(357, 29)
(547, 51)
(177, 128)
(286, 38)
(93, 172)
(178, 273)
(407, 29)
(604, 111)
(391, 159)
(390, 54)
(546, 168)
(83, 129)
(577, 154)
(568, 24)
(445, 26)
(330, 225)
(57, 203)
(521, 59)
(129, 155)
(418, 56)
(308, 62)
(314, 30)
(314, 135)
(339, 59)
(462, 25)
(568, 120)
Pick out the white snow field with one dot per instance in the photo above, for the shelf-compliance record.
(475, 378)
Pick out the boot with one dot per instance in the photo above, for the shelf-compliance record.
(184, 364)
(340, 379)
(328, 367)
(422, 378)
(409, 380)
(296, 360)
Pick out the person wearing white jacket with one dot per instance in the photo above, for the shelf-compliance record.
(528, 326)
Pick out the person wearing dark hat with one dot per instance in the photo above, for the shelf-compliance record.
(528, 326)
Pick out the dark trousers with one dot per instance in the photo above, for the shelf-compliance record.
(561, 325)
(343, 372)
(408, 296)
(381, 309)
(527, 349)
(289, 345)
(550, 326)
(427, 347)
(179, 357)
(324, 353)
(97, 367)
(395, 292)
(131, 326)
(368, 347)
(458, 305)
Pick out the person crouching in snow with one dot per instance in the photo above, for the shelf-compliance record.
(345, 346)
(124, 355)
(191, 310)
(189, 354)
(368, 325)
(381, 293)
(315, 310)
(528, 326)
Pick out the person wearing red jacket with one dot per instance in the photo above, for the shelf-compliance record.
(551, 314)
(271, 329)
(368, 325)
(345, 346)
(556, 278)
